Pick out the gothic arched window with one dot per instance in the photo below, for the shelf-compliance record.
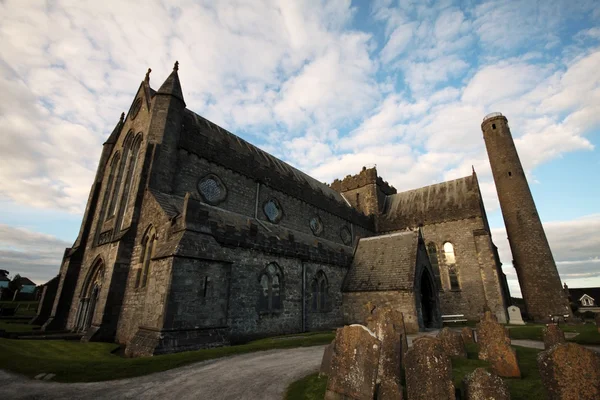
(320, 292)
(449, 253)
(433, 257)
(453, 275)
(271, 288)
(117, 186)
(146, 253)
(131, 167)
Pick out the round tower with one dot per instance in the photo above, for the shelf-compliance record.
(533, 260)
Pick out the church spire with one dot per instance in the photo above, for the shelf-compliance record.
(172, 86)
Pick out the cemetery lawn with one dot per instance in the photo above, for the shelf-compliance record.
(588, 333)
(529, 387)
(73, 361)
(10, 326)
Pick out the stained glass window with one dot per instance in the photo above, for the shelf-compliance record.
(212, 189)
(273, 210)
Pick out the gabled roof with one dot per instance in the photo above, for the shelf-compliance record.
(577, 293)
(172, 86)
(23, 281)
(385, 262)
(172, 205)
(446, 201)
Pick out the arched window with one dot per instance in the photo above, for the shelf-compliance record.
(432, 251)
(271, 281)
(319, 290)
(89, 296)
(110, 184)
(131, 166)
(148, 246)
(453, 275)
(117, 186)
(449, 253)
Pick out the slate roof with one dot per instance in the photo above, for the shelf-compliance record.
(446, 201)
(385, 262)
(217, 145)
(172, 205)
(577, 293)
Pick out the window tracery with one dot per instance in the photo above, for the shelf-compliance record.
(320, 292)
(147, 251)
(271, 282)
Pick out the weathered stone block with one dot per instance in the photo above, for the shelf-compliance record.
(428, 371)
(467, 335)
(570, 372)
(494, 346)
(552, 335)
(483, 385)
(326, 361)
(388, 326)
(389, 390)
(514, 316)
(452, 342)
(354, 364)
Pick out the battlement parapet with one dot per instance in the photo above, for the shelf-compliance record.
(365, 177)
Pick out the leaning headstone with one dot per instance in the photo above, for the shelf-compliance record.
(428, 371)
(494, 346)
(483, 385)
(326, 361)
(388, 325)
(552, 335)
(389, 390)
(570, 372)
(452, 342)
(514, 316)
(467, 335)
(354, 364)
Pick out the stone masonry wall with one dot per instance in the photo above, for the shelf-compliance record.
(475, 267)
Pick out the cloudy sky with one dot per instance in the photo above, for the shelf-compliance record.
(328, 86)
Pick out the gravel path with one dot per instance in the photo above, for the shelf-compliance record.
(260, 375)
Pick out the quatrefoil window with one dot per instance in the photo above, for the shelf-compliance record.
(211, 189)
(273, 210)
(316, 225)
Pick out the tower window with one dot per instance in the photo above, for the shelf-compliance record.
(509, 173)
(493, 126)
(454, 285)
(433, 258)
(449, 253)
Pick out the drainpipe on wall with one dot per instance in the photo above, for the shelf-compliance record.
(256, 208)
(303, 297)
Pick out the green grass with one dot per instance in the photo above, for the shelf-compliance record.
(529, 387)
(24, 308)
(10, 326)
(88, 362)
(588, 333)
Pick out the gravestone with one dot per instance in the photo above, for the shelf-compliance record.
(494, 346)
(389, 390)
(388, 326)
(452, 342)
(467, 335)
(326, 361)
(552, 335)
(570, 372)
(428, 371)
(514, 316)
(354, 364)
(483, 385)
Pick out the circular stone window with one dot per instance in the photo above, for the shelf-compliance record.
(212, 189)
(137, 105)
(346, 235)
(316, 225)
(273, 210)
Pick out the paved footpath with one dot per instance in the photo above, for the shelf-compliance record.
(260, 375)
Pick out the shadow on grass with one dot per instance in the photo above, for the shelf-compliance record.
(90, 362)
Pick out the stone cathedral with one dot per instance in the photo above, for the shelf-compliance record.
(193, 237)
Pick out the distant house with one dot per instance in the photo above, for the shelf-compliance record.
(587, 299)
(25, 285)
(4, 281)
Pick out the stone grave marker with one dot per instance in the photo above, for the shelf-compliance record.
(326, 361)
(514, 316)
(354, 364)
(452, 342)
(494, 346)
(483, 385)
(467, 335)
(428, 371)
(389, 390)
(388, 326)
(552, 335)
(570, 372)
